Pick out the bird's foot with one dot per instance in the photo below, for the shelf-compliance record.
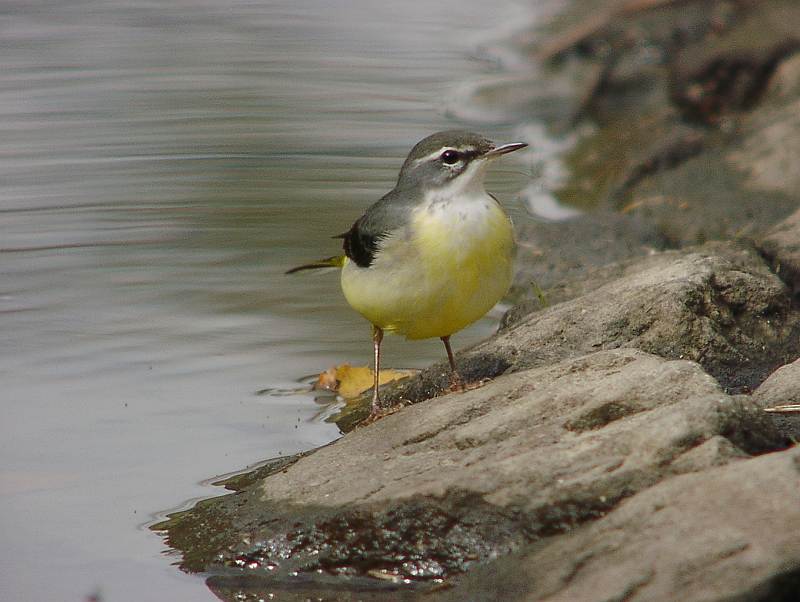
(460, 386)
(476, 384)
(456, 383)
(376, 413)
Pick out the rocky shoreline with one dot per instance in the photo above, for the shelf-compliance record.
(619, 449)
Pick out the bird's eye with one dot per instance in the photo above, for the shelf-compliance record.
(450, 157)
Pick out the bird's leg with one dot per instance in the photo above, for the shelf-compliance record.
(455, 378)
(377, 337)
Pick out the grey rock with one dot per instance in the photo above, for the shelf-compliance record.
(781, 246)
(781, 388)
(430, 491)
(696, 114)
(718, 305)
(533, 439)
(593, 249)
(723, 534)
(730, 72)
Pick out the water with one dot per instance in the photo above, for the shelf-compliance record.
(161, 165)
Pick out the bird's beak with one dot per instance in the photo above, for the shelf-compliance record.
(505, 149)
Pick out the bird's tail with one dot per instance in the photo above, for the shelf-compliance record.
(336, 261)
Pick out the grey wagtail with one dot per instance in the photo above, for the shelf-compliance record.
(434, 254)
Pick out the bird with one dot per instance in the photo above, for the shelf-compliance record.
(434, 254)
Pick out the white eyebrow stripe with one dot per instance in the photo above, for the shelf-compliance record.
(435, 154)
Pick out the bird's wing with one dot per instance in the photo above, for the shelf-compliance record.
(362, 241)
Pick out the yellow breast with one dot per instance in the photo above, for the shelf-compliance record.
(443, 271)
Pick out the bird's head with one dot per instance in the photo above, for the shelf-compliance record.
(451, 158)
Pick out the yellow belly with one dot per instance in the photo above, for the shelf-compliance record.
(437, 275)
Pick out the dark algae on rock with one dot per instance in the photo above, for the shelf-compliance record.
(619, 448)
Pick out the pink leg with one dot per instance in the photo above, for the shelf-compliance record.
(455, 377)
(377, 337)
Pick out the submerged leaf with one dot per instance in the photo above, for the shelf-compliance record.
(350, 381)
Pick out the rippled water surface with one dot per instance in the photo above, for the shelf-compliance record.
(161, 165)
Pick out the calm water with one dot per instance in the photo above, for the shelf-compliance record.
(161, 165)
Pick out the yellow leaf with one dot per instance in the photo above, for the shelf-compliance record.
(350, 381)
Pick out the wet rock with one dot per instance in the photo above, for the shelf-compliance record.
(768, 144)
(243, 588)
(694, 108)
(594, 28)
(696, 112)
(678, 145)
(727, 533)
(731, 72)
(426, 493)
